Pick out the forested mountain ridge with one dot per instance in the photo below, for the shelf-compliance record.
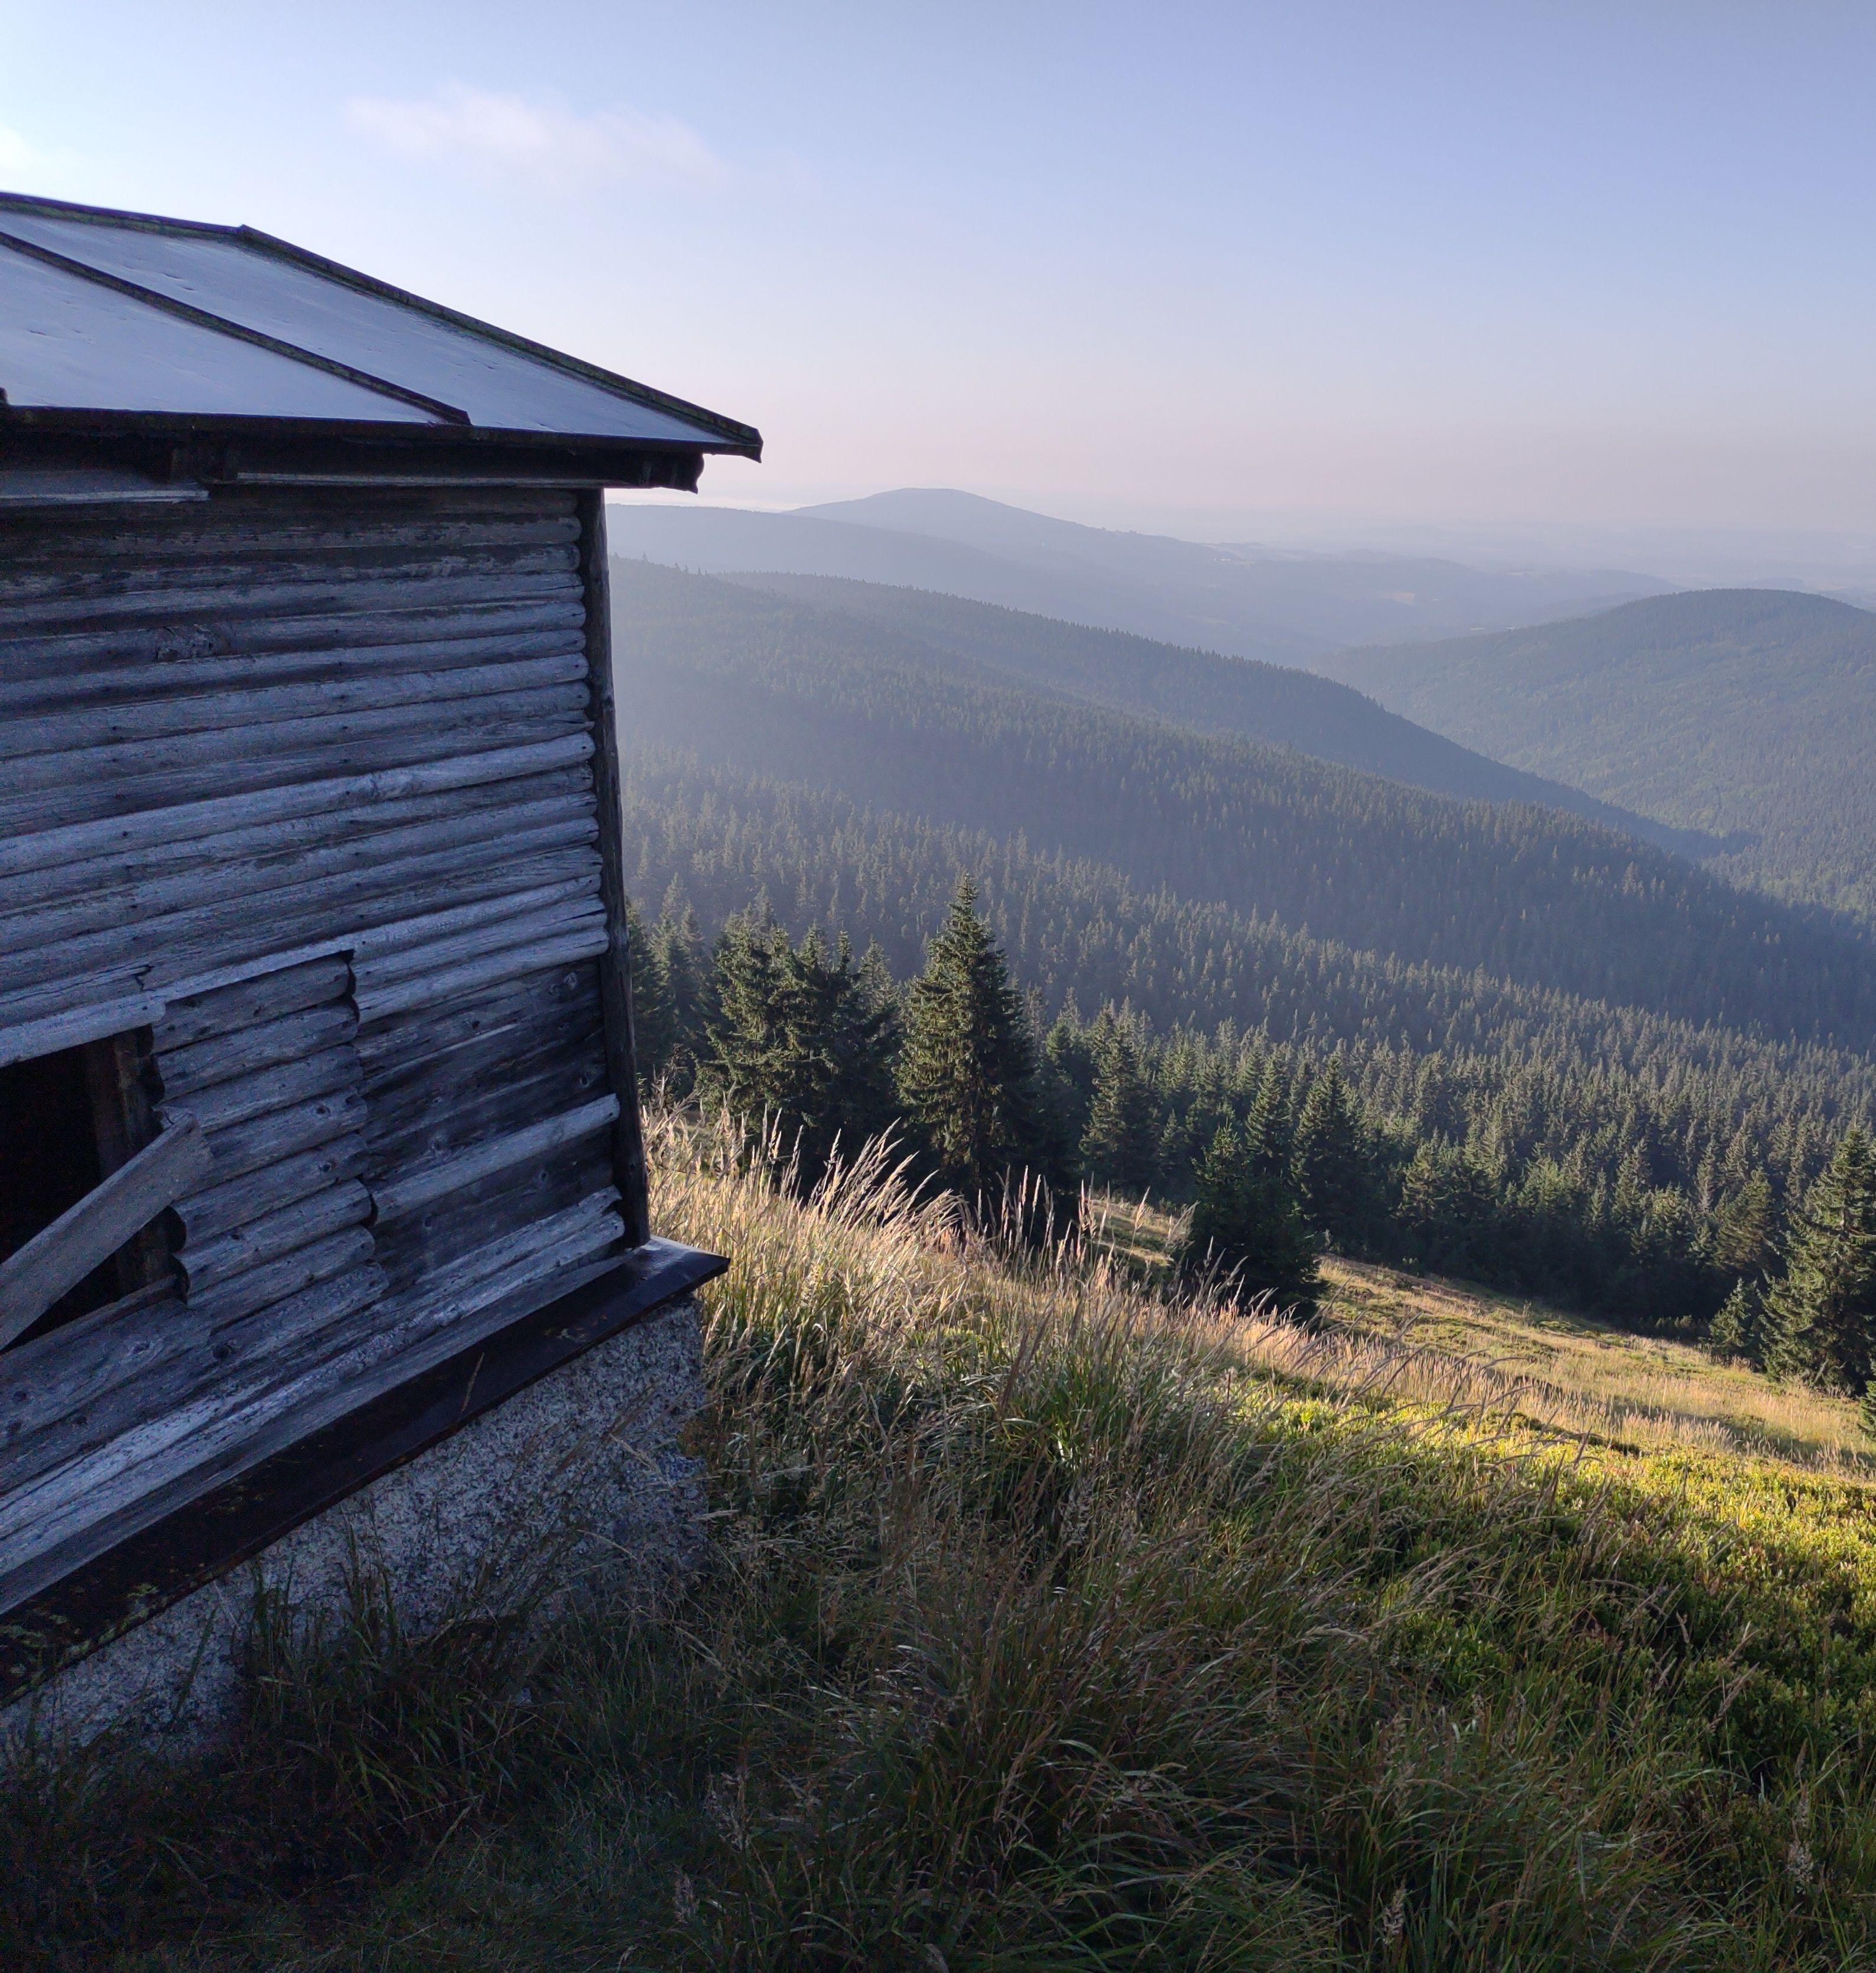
(1278, 705)
(1525, 893)
(1747, 714)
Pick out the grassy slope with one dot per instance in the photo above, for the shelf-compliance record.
(1746, 711)
(1048, 1626)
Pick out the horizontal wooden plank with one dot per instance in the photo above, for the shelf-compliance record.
(237, 744)
(124, 682)
(483, 1091)
(189, 979)
(265, 1044)
(26, 1041)
(128, 722)
(329, 902)
(31, 595)
(315, 594)
(419, 1185)
(375, 972)
(26, 888)
(191, 822)
(192, 1019)
(277, 1135)
(292, 1273)
(85, 1467)
(214, 957)
(431, 990)
(222, 1208)
(475, 726)
(49, 652)
(485, 1273)
(212, 879)
(52, 1380)
(55, 1260)
(283, 1086)
(403, 1044)
(271, 1237)
(227, 530)
(433, 1100)
(414, 1250)
(427, 927)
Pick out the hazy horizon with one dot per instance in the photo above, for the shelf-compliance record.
(1691, 558)
(1572, 283)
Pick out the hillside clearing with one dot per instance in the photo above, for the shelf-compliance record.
(1454, 1343)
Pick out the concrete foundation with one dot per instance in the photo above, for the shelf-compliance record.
(579, 1472)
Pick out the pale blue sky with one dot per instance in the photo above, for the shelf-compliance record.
(1566, 271)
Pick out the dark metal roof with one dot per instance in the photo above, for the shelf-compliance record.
(153, 320)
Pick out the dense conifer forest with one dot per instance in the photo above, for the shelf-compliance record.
(1320, 1009)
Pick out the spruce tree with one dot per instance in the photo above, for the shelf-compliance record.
(1733, 1334)
(1247, 1224)
(800, 1036)
(1331, 1167)
(669, 993)
(1446, 1209)
(1120, 1146)
(1821, 1318)
(653, 1030)
(1270, 1129)
(1742, 1227)
(967, 1069)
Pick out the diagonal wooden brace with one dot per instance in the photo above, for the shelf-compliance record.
(54, 1261)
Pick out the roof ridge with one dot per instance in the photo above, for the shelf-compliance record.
(154, 222)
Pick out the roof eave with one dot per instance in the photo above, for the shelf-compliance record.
(229, 451)
(104, 420)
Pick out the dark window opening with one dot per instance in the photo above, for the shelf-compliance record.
(67, 1121)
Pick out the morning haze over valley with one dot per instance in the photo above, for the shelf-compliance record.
(937, 1010)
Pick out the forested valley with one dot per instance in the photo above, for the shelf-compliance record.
(1319, 1007)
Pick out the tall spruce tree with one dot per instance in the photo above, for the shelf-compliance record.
(1820, 1320)
(669, 990)
(800, 1035)
(1331, 1163)
(1246, 1222)
(1270, 1128)
(967, 1069)
(1120, 1146)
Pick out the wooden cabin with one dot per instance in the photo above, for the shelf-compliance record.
(319, 1129)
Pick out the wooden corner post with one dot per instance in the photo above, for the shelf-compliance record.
(615, 970)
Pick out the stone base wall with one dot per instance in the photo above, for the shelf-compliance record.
(578, 1472)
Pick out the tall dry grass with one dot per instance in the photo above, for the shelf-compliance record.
(1048, 1624)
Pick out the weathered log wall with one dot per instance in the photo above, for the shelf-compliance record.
(305, 783)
